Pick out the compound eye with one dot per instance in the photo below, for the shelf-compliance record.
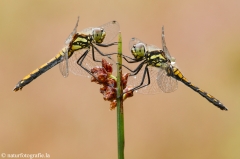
(98, 35)
(140, 47)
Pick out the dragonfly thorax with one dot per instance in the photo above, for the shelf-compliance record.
(156, 59)
(81, 41)
(98, 35)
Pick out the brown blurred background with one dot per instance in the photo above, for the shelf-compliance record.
(67, 117)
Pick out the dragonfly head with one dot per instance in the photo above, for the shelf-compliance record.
(98, 35)
(138, 50)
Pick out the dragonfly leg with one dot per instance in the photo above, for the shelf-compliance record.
(93, 55)
(146, 71)
(107, 45)
(133, 60)
(124, 56)
(108, 55)
(135, 71)
(80, 61)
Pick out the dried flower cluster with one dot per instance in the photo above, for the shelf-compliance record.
(103, 76)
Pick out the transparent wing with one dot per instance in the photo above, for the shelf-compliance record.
(152, 48)
(75, 68)
(87, 63)
(70, 37)
(166, 83)
(165, 50)
(87, 31)
(111, 28)
(134, 41)
(150, 89)
(63, 66)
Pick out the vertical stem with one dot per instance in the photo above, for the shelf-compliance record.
(120, 117)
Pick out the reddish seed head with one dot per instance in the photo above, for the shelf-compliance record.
(107, 66)
(103, 89)
(111, 82)
(127, 92)
(113, 105)
(103, 76)
(124, 79)
(110, 93)
(100, 73)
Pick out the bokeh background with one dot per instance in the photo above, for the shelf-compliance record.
(67, 117)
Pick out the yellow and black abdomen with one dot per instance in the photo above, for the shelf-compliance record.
(175, 72)
(34, 74)
(81, 41)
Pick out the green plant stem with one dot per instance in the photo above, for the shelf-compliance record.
(120, 115)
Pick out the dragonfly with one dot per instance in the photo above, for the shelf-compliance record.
(158, 72)
(79, 53)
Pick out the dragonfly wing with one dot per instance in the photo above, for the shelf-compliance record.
(87, 31)
(70, 37)
(134, 41)
(74, 67)
(150, 89)
(165, 50)
(151, 48)
(63, 66)
(88, 62)
(112, 29)
(166, 83)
